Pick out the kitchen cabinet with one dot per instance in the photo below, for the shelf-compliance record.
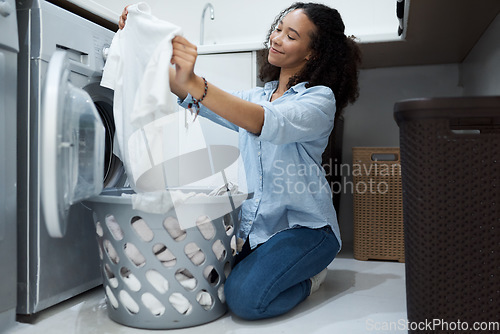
(230, 72)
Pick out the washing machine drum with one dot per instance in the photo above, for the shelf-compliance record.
(114, 171)
(72, 146)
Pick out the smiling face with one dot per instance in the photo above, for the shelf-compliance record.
(289, 42)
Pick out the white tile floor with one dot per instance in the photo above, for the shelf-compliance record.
(357, 297)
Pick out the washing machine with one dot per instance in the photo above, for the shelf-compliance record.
(63, 112)
(8, 75)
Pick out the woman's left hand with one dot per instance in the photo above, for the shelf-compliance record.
(184, 55)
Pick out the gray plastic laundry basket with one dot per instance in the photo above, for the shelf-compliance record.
(157, 275)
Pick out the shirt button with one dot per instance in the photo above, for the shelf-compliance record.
(258, 153)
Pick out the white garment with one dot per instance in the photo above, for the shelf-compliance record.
(159, 202)
(163, 201)
(137, 69)
(215, 204)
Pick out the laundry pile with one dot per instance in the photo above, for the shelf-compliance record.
(165, 200)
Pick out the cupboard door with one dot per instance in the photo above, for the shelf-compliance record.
(229, 71)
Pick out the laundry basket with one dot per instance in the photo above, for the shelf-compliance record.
(157, 275)
(450, 157)
(378, 204)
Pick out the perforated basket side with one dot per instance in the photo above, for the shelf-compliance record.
(378, 207)
(162, 278)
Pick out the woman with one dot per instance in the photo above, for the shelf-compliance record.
(289, 226)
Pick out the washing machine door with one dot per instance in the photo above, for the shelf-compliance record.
(72, 145)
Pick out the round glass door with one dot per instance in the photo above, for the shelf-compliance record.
(71, 147)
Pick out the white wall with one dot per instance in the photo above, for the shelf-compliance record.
(481, 68)
(370, 121)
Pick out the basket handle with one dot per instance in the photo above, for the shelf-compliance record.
(385, 157)
(475, 125)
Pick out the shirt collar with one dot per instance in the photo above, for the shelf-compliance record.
(270, 87)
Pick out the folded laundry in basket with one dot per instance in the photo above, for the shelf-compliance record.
(159, 201)
(163, 201)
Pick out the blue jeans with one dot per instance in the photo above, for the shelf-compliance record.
(274, 277)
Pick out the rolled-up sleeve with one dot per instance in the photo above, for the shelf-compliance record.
(307, 117)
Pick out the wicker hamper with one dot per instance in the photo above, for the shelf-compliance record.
(378, 208)
(450, 155)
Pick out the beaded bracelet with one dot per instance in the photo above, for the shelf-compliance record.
(196, 103)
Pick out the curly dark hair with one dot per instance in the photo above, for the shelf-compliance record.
(335, 57)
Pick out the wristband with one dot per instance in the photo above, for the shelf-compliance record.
(195, 103)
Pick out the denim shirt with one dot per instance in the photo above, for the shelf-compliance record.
(283, 164)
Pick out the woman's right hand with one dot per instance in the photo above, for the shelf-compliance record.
(123, 18)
